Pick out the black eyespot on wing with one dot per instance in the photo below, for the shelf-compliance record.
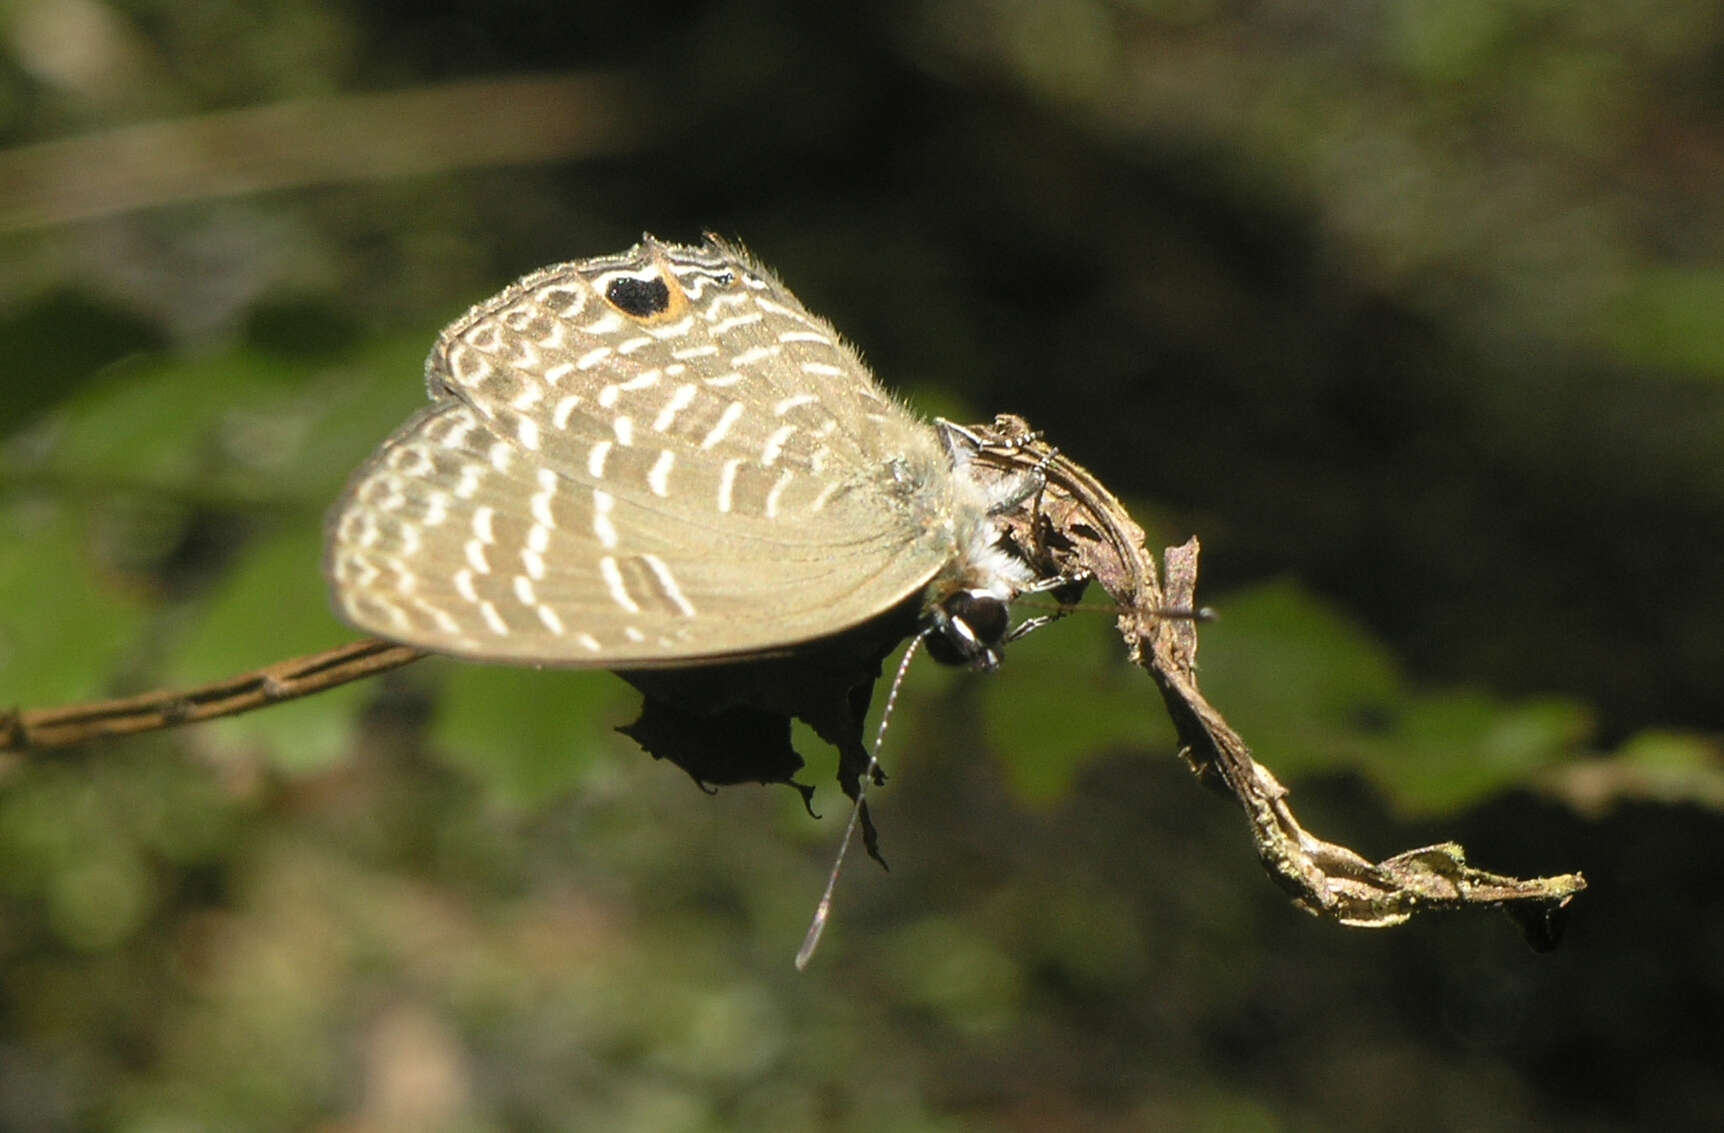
(642, 298)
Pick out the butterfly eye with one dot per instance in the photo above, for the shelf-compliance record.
(968, 628)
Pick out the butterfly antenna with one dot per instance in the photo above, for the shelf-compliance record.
(1172, 613)
(823, 910)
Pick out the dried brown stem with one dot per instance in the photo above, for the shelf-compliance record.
(1081, 530)
(41, 729)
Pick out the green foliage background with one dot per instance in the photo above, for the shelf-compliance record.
(1409, 309)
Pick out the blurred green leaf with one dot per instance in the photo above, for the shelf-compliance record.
(84, 840)
(352, 406)
(227, 428)
(101, 899)
(1295, 676)
(1449, 40)
(174, 810)
(1661, 766)
(949, 968)
(272, 605)
(1455, 749)
(1677, 752)
(44, 825)
(1669, 319)
(1313, 692)
(64, 624)
(163, 424)
(1065, 697)
(63, 339)
(527, 735)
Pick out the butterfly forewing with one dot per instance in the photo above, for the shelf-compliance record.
(646, 459)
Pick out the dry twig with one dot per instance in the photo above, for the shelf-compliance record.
(40, 729)
(1081, 530)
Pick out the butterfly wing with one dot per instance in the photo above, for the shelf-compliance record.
(650, 459)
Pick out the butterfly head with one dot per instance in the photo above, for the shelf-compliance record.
(969, 628)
